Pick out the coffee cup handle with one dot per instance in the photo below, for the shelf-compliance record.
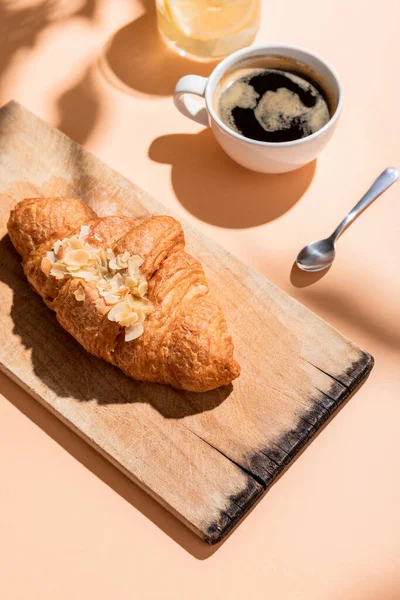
(188, 106)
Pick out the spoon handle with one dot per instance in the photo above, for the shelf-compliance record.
(385, 180)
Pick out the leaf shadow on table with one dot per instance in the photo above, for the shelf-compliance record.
(21, 28)
(79, 108)
(378, 586)
(347, 308)
(215, 189)
(137, 60)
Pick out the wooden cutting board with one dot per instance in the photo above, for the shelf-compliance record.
(206, 457)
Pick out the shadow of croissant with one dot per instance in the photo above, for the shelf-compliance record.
(63, 365)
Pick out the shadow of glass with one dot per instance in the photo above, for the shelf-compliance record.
(137, 56)
(218, 191)
(83, 377)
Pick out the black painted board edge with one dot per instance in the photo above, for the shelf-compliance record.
(294, 440)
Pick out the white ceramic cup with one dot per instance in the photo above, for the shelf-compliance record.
(265, 157)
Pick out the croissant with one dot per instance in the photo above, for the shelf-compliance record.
(126, 289)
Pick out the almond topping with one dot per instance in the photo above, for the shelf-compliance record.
(76, 244)
(118, 311)
(46, 265)
(128, 321)
(134, 263)
(111, 298)
(79, 294)
(112, 263)
(133, 332)
(58, 271)
(77, 257)
(57, 246)
(142, 288)
(86, 275)
(116, 277)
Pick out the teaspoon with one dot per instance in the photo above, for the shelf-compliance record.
(320, 255)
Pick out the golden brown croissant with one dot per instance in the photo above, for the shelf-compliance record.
(126, 290)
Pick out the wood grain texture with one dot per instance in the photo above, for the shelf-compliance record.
(206, 457)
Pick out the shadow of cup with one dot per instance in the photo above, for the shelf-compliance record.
(216, 190)
(137, 56)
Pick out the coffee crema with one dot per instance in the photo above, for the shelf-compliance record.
(272, 105)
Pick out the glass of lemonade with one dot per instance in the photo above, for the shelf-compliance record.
(207, 29)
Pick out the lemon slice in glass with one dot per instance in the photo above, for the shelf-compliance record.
(211, 19)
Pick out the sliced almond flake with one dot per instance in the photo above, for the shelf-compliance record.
(46, 265)
(131, 282)
(84, 232)
(121, 291)
(130, 301)
(130, 320)
(142, 288)
(86, 275)
(134, 263)
(119, 311)
(51, 256)
(136, 303)
(77, 257)
(57, 246)
(79, 294)
(133, 332)
(72, 268)
(76, 244)
(109, 253)
(58, 271)
(113, 265)
(118, 279)
(110, 298)
(122, 259)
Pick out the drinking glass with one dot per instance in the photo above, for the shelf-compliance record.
(208, 29)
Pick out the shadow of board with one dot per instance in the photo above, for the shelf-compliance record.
(86, 378)
(137, 56)
(216, 190)
(80, 450)
(104, 384)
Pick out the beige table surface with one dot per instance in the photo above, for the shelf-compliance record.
(71, 526)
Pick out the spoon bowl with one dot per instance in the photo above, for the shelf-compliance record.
(320, 255)
(316, 256)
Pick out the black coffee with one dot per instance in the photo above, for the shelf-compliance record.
(272, 105)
